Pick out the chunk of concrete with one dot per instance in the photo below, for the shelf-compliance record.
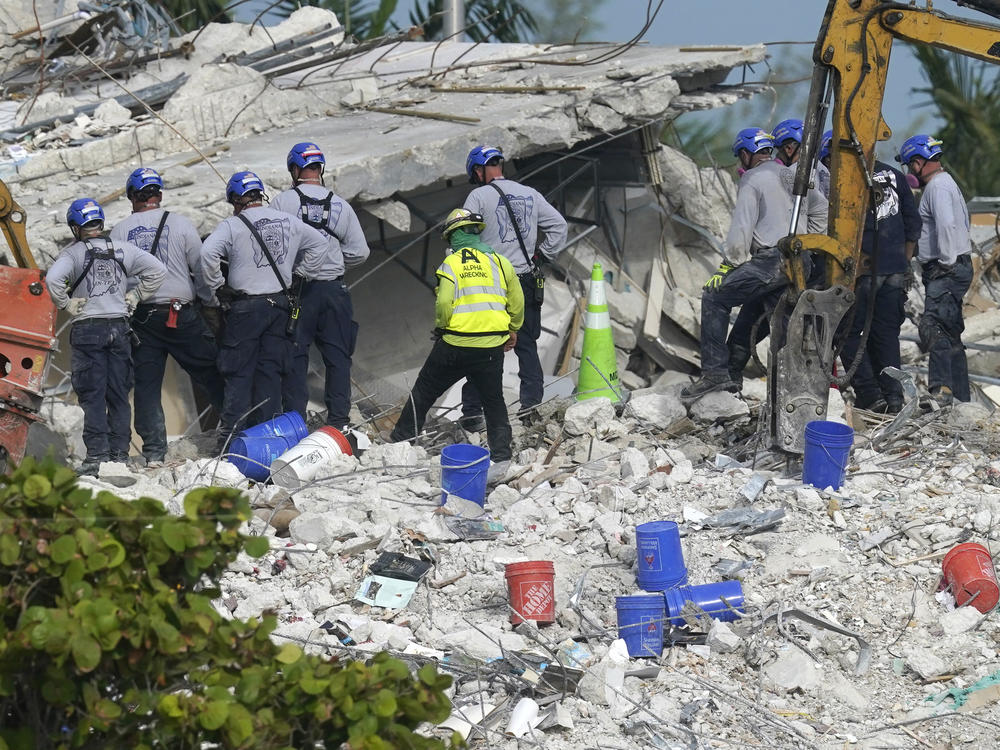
(110, 112)
(584, 416)
(658, 409)
(721, 638)
(793, 670)
(634, 464)
(960, 620)
(719, 406)
(924, 662)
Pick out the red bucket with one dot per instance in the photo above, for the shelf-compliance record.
(968, 571)
(532, 591)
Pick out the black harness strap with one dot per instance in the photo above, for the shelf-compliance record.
(267, 253)
(108, 253)
(513, 220)
(156, 238)
(305, 200)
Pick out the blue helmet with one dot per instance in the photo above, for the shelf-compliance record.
(753, 140)
(478, 157)
(83, 211)
(242, 183)
(141, 178)
(925, 146)
(788, 130)
(304, 154)
(826, 144)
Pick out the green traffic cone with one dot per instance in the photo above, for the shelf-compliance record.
(598, 366)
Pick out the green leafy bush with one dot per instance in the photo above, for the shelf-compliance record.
(110, 639)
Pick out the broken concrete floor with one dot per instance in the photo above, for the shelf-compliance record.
(866, 557)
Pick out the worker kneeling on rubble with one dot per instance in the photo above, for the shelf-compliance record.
(751, 268)
(264, 247)
(479, 310)
(90, 281)
(168, 322)
(944, 251)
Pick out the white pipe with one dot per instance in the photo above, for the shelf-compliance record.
(454, 20)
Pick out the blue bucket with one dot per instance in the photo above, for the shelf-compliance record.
(463, 472)
(661, 559)
(828, 448)
(253, 456)
(640, 624)
(720, 600)
(290, 426)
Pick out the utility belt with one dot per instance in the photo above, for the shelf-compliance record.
(438, 332)
(172, 308)
(98, 321)
(163, 306)
(535, 281)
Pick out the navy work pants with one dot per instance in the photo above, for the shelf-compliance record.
(102, 378)
(882, 348)
(326, 319)
(192, 346)
(941, 328)
(759, 277)
(445, 366)
(253, 354)
(526, 349)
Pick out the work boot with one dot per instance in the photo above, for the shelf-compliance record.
(496, 473)
(943, 395)
(737, 378)
(89, 468)
(878, 406)
(893, 406)
(473, 423)
(707, 384)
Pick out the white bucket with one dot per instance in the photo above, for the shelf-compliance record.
(300, 464)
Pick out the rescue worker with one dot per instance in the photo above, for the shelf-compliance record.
(479, 309)
(90, 281)
(326, 315)
(787, 137)
(168, 322)
(524, 228)
(263, 247)
(944, 251)
(751, 267)
(894, 226)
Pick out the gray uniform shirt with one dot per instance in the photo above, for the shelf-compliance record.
(292, 244)
(945, 232)
(763, 210)
(535, 216)
(348, 246)
(179, 249)
(106, 281)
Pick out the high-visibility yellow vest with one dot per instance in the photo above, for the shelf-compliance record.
(480, 305)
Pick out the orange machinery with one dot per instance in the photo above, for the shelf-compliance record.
(27, 335)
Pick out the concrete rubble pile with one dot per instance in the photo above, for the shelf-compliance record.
(865, 560)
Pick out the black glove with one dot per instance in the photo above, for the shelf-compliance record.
(213, 319)
(934, 269)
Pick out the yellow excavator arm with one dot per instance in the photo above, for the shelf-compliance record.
(851, 60)
(12, 220)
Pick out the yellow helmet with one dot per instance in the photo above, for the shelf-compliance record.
(462, 217)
